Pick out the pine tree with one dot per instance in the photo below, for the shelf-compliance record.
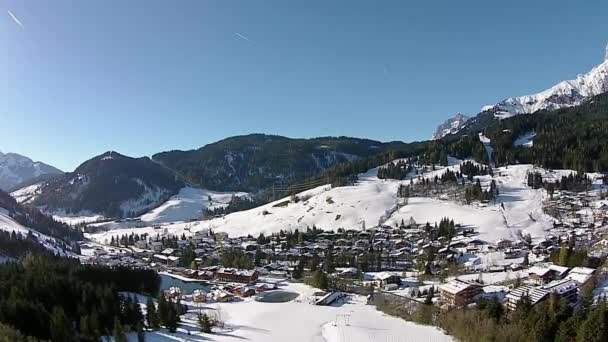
(173, 316)
(204, 323)
(151, 315)
(60, 326)
(594, 328)
(163, 310)
(119, 335)
(141, 335)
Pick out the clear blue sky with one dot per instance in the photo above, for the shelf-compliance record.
(82, 77)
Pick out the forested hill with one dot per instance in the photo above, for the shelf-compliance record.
(257, 161)
(570, 138)
(111, 184)
(31, 217)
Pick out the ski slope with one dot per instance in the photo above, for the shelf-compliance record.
(9, 225)
(189, 205)
(372, 201)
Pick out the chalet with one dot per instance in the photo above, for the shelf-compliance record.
(142, 244)
(534, 294)
(236, 275)
(246, 291)
(166, 260)
(582, 275)
(349, 272)
(504, 243)
(539, 275)
(385, 278)
(156, 246)
(199, 296)
(567, 289)
(458, 293)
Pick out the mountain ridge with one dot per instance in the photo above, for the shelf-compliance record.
(111, 184)
(564, 94)
(16, 169)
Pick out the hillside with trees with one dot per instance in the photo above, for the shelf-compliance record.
(110, 184)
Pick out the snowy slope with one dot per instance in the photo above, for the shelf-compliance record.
(298, 321)
(450, 126)
(9, 225)
(188, 205)
(564, 94)
(16, 169)
(373, 201)
(27, 194)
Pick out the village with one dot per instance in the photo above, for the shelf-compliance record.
(444, 264)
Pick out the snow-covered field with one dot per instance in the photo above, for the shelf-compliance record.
(373, 201)
(189, 204)
(299, 320)
(84, 217)
(26, 194)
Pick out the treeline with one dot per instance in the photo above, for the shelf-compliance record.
(52, 298)
(398, 170)
(575, 181)
(15, 245)
(237, 259)
(32, 217)
(472, 169)
(550, 320)
(476, 193)
(436, 152)
(237, 203)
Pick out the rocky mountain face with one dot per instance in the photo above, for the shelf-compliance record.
(110, 184)
(562, 95)
(257, 161)
(16, 169)
(450, 126)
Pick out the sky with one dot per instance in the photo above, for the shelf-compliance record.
(78, 78)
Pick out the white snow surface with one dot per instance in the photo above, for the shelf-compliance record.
(27, 194)
(298, 321)
(189, 205)
(526, 140)
(450, 126)
(564, 94)
(74, 219)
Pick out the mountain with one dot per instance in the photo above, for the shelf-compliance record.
(562, 95)
(450, 126)
(18, 218)
(258, 161)
(110, 184)
(16, 169)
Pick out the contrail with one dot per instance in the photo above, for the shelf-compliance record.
(243, 37)
(15, 18)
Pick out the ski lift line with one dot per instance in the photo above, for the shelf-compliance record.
(299, 188)
(305, 183)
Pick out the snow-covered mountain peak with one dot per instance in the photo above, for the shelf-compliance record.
(564, 94)
(450, 126)
(16, 169)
